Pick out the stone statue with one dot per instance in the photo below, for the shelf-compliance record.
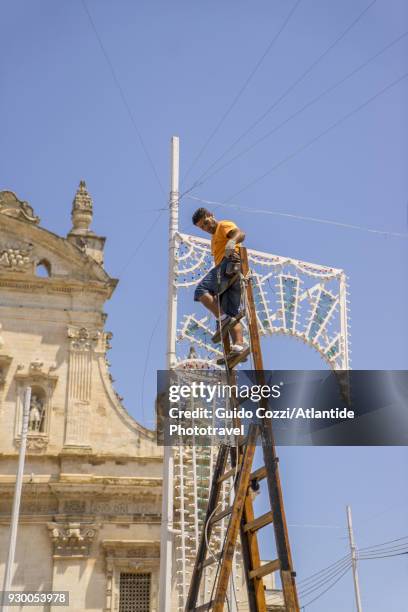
(36, 414)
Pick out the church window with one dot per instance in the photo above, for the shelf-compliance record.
(43, 268)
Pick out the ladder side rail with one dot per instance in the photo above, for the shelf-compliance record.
(235, 520)
(249, 541)
(270, 457)
(202, 549)
(250, 549)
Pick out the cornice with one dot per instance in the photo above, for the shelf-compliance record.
(58, 246)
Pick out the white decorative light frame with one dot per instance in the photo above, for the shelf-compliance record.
(292, 297)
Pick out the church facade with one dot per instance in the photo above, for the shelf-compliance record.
(91, 499)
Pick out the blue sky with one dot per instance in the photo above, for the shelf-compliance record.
(179, 67)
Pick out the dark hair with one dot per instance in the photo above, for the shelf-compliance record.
(200, 213)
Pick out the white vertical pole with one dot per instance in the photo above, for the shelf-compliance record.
(166, 537)
(182, 525)
(173, 229)
(354, 560)
(17, 495)
(344, 321)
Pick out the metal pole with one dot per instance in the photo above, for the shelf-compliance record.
(17, 496)
(354, 560)
(344, 322)
(166, 536)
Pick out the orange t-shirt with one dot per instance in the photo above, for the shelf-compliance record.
(219, 240)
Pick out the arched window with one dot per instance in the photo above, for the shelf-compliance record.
(43, 268)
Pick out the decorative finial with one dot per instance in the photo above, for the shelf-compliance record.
(81, 210)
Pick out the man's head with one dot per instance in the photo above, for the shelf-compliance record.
(204, 219)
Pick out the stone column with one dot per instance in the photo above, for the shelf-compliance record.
(83, 342)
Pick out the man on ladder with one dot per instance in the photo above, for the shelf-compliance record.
(220, 290)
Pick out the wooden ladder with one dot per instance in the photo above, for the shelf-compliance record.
(241, 518)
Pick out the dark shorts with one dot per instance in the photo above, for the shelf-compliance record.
(215, 282)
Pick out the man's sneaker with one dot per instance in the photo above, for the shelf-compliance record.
(237, 354)
(236, 349)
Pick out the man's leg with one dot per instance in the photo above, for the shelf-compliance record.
(211, 303)
(231, 302)
(237, 334)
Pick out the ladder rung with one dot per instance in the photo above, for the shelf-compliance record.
(264, 570)
(220, 515)
(259, 474)
(258, 523)
(240, 357)
(229, 473)
(204, 607)
(210, 561)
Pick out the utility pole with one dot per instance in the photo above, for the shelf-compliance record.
(17, 497)
(166, 536)
(354, 560)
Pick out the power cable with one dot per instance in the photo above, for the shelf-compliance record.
(390, 549)
(326, 590)
(298, 217)
(318, 585)
(147, 361)
(288, 90)
(242, 89)
(338, 562)
(385, 556)
(403, 538)
(141, 243)
(123, 97)
(301, 110)
(319, 136)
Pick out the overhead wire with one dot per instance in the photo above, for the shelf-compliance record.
(300, 110)
(303, 607)
(147, 361)
(324, 580)
(291, 87)
(319, 136)
(123, 97)
(141, 243)
(242, 88)
(401, 539)
(329, 567)
(391, 549)
(298, 217)
(385, 556)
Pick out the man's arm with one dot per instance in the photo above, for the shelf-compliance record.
(235, 236)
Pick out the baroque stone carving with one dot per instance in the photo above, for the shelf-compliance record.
(36, 367)
(5, 361)
(35, 441)
(11, 206)
(83, 339)
(81, 210)
(16, 257)
(72, 539)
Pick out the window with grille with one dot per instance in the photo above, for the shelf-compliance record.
(134, 592)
